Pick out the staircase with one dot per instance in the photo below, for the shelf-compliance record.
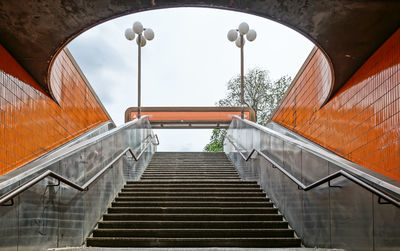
(192, 200)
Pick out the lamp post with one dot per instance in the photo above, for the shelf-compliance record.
(237, 35)
(143, 35)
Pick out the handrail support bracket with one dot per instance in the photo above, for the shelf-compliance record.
(9, 205)
(334, 186)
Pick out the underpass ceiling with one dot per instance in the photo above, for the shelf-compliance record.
(348, 31)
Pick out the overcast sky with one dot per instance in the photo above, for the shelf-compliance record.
(188, 63)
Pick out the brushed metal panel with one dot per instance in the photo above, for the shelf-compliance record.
(48, 216)
(71, 217)
(105, 191)
(249, 168)
(38, 214)
(71, 209)
(108, 149)
(277, 150)
(351, 210)
(92, 203)
(9, 223)
(386, 227)
(94, 160)
(119, 140)
(265, 167)
(119, 178)
(129, 171)
(293, 209)
(316, 213)
(277, 187)
(292, 161)
(73, 167)
(265, 143)
(313, 168)
(346, 217)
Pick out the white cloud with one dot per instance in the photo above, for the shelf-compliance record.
(187, 64)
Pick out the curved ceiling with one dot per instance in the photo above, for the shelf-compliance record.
(348, 31)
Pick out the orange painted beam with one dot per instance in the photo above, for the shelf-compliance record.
(189, 115)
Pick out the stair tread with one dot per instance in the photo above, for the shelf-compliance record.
(192, 200)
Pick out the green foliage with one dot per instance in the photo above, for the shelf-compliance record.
(216, 142)
(261, 93)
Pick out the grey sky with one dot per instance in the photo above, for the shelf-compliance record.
(188, 63)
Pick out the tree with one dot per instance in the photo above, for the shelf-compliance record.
(261, 93)
(216, 142)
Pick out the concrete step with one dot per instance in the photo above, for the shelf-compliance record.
(204, 182)
(192, 224)
(184, 189)
(182, 177)
(192, 210)
(193, 233)
(187, 164)
(191, 166)
(193, 242)
(199, 194)
(191, 185)
(193, 198)
(192, 204)
(195, 172)
(192, 217)
(190, 176)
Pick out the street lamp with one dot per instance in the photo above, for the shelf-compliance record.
(143, 35)
(237, 35)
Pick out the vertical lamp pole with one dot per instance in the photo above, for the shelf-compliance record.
(143, 35)
(237, 35)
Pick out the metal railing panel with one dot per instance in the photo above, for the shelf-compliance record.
(9, 223)
(351, 216)
(38, 213)
(325, 204)
(48, 213)
(47, 159)
(386, 226)
(316, 230)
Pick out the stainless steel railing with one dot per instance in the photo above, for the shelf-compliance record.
(381, 194)
(9, 197)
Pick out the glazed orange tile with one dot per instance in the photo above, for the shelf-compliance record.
(361, 121)
(22, 137)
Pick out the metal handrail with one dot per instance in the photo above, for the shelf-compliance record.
(386, 183)
(381, 195)
(18, 190)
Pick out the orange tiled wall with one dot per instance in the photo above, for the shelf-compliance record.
(32, 124)
(362, 121)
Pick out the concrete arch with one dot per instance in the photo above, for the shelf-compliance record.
(348, 32)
